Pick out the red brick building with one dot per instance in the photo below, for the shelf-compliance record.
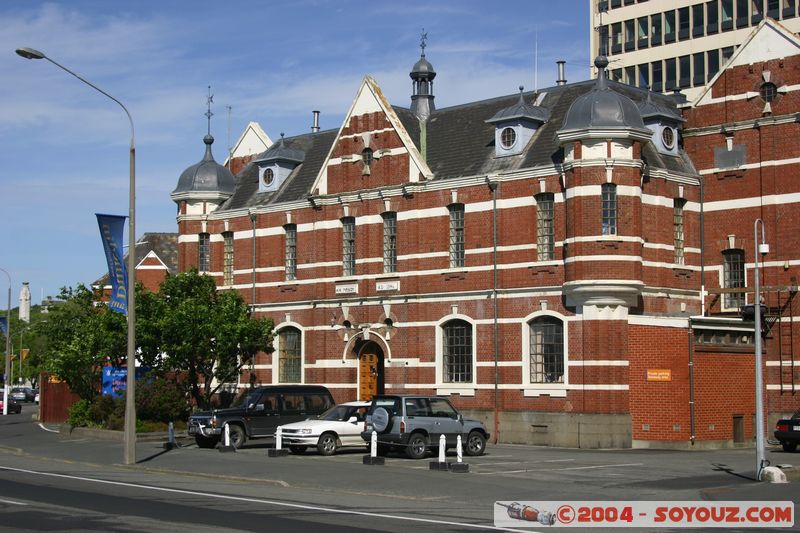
(570, 265)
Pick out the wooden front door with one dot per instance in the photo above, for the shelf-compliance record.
(368, 374)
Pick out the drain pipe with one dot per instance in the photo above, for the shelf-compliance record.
(493, 188)
(691, 384)
(253, 292)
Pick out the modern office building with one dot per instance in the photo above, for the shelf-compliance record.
(677, 44)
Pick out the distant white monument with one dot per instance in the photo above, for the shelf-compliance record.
(25, 302)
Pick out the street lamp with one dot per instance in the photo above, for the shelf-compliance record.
(130, 404)
(760, 250)
(7, 371)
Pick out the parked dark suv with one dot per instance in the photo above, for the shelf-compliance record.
(414, 423)
(258, 412)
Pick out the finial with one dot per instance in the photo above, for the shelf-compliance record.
(601, 62)
(423, 37)
(521, 89)
(209, 114)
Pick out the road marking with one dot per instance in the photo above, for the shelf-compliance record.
(12, 503)
(266, 502)
(559, 461)
(48, 429)
(599, 466)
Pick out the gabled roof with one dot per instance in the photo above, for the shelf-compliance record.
(459, 142)
(162, 245)
(769, 40)
(253, 140)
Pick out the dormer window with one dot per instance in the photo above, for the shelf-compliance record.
(668, 137)
(508, 137)
(516, 125)
(269, 177)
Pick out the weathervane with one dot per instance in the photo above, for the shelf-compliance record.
(209, 114)
(422, 38)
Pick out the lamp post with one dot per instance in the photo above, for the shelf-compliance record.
(760, 251)
(130, 404)
(7, 370)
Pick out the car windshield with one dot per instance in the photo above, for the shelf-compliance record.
(390, 404)
(340, 413)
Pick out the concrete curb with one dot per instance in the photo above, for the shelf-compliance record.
(112, 435)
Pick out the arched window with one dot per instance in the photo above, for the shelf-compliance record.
(457, 351)
(547, 350)
(289, 355)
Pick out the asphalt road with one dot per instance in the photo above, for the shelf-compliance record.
(74, 483)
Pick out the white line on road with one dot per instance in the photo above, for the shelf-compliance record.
(48, 429)
(12, 503)
(267, 502)
(599, 466)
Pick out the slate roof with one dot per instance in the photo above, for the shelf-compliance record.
(459, 143)
(164, 245)
(205, 176)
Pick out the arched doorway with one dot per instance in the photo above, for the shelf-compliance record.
(370, 370)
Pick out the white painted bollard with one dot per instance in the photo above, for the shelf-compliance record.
(442, 446)
(278, 450)
(372, 458)
(227, 435)
(459, 457)
(170, 444)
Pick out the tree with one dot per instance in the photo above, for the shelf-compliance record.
(191, 329)
(82, 336)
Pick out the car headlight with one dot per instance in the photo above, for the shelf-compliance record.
(213, 422)
(305, 431)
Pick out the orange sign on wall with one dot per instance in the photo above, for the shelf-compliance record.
(659, 374)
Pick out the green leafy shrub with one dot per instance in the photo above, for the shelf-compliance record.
(160, 400)
(80, 414)
(108, 412)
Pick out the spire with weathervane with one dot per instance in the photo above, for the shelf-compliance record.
(422, 83)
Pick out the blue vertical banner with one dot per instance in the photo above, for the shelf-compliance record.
(111, 230)
(4, 325)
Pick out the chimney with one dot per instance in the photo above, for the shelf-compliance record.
(561, 79)
(315, 126)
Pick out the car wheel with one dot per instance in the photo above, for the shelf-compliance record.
(327, 444)
(789, 446)
(204, 442)
(237, 435)
(299, 450)
(417, 446)
(476, 443)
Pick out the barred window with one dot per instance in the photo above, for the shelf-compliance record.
(457, 352)
(389, 242)
(547, 350)
(609, 208)
(677, 224)
(289, 355)
(290, 251)
(348, 246)
(227, 258)
(545, 231)
(456, 235)
(733, 274)
(204, 252)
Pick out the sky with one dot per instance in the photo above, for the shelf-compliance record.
(64, 147)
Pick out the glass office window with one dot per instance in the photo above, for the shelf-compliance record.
(658, 76)
(712, 17)
(699, 60)
(713, 63)
(683, 23)
(669, 26)
(698, 20)
(685, 68)
(671, 73)
(655, 29)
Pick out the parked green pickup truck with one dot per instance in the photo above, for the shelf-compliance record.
(787, 431)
